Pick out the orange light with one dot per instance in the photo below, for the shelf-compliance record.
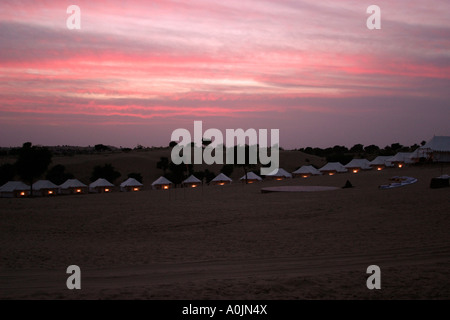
(379, 168)
(22, 193)
(194, 186)
(78, 190)
(50, 192)
(305, 176)
(106, 190)
(355, 171)
(279, 179)
(221, 184)
(249, 181)
(331, 173)
(400, 165)
(135, 189)
(166, 187)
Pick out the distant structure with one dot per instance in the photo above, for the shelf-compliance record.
(401, 159)
(331, 168)
(191, 182)
(101, 186)
(14, 189)
(251, 177)
(220, 180)
(279, 174)
(381, 162)
(43, 188)
(306, 171)
(131, 185)
(73, 186)
(356, 165)
(435, 150)
(162, 184)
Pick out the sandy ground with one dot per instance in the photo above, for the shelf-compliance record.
(233, 242)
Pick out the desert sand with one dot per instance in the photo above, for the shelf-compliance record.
(234, 242)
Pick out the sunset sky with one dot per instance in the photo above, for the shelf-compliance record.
(137, 70)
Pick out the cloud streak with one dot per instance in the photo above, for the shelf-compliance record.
(264, 63)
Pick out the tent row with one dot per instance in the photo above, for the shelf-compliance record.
(220, 180)
(14, 189)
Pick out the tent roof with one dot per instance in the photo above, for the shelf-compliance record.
(438, 143)
(307, 170)
(44, 184)
(333, 166)
(192, 179)
(280, 172)
(101, 183)
(161, 181)
(401, 157)
(72, 183)
(131, 182)
(251, 176)
(358, 163)
(221, 177)
(12, 186)
(380, 160)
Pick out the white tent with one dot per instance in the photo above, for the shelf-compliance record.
(332, 168)
(191, 181)
(437, 149)
(251, 177)
(221, 179)
(100, 186)
(162, 183)
(381, 162)
(401, 158)
(44, 188)
(73, 186)
(14, 189)
(357, 165)
(279, 174)
(131, 184)
(306, 171)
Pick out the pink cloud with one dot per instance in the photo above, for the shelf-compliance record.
(254, 60)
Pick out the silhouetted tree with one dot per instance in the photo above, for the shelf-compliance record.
(101, 147)
(32, 162)
(163, 164)
(339, 149)
(172, 144)
(7, 173)
(136, 176)
(372, 149)
(227, 169)
(423, 143)
(396, 146)
(177, 173)
(57, 174)
(106, 171)
(209, 175)
(357, 148)
(199, 174)
(342, 158)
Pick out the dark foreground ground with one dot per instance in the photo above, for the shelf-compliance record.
(233, 242)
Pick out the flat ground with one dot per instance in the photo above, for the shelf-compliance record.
(233, 242)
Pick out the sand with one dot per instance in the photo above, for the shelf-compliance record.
(234, 242)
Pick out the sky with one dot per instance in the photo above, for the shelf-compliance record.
(137, 70)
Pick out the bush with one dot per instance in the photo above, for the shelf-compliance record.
(106, 171)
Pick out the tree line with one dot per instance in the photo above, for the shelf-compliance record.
(33, 162)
